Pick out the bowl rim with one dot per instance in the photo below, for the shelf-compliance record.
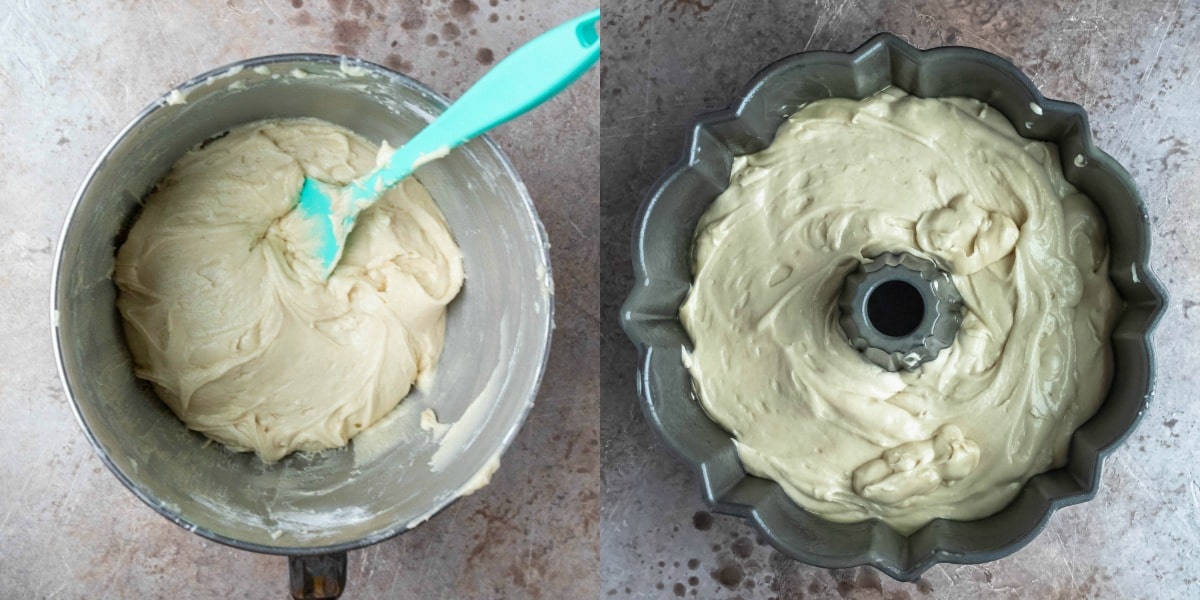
(57, 282)
(900, 566)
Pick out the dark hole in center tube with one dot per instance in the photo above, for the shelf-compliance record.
(895, 308)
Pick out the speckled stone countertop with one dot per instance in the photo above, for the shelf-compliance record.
(1132, 65)
(553, 524)
(72, 73)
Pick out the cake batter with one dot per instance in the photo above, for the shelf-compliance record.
(224, 318)
(945, 179)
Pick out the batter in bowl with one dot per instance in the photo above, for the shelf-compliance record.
(222, 317)
(947, 180)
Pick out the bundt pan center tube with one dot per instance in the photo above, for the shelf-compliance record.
(900, 310)
(912, 319)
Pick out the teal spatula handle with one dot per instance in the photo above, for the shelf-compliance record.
(529, 76)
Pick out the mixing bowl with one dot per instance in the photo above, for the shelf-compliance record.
(391, 477)
(662, 251)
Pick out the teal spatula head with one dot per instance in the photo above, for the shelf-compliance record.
(526, 78)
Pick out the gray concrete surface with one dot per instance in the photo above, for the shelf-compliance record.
(553, 524)
(1132, 65)
(72, 73)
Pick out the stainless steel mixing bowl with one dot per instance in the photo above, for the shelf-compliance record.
(662, 250)
(497, 331)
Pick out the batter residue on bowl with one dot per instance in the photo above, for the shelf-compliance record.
(945, 179)
(241, 345)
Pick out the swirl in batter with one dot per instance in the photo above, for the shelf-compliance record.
(237, 340)
(945, 179)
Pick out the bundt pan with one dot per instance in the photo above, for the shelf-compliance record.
(662, 258)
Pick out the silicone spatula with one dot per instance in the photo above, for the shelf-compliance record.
(529, 76)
